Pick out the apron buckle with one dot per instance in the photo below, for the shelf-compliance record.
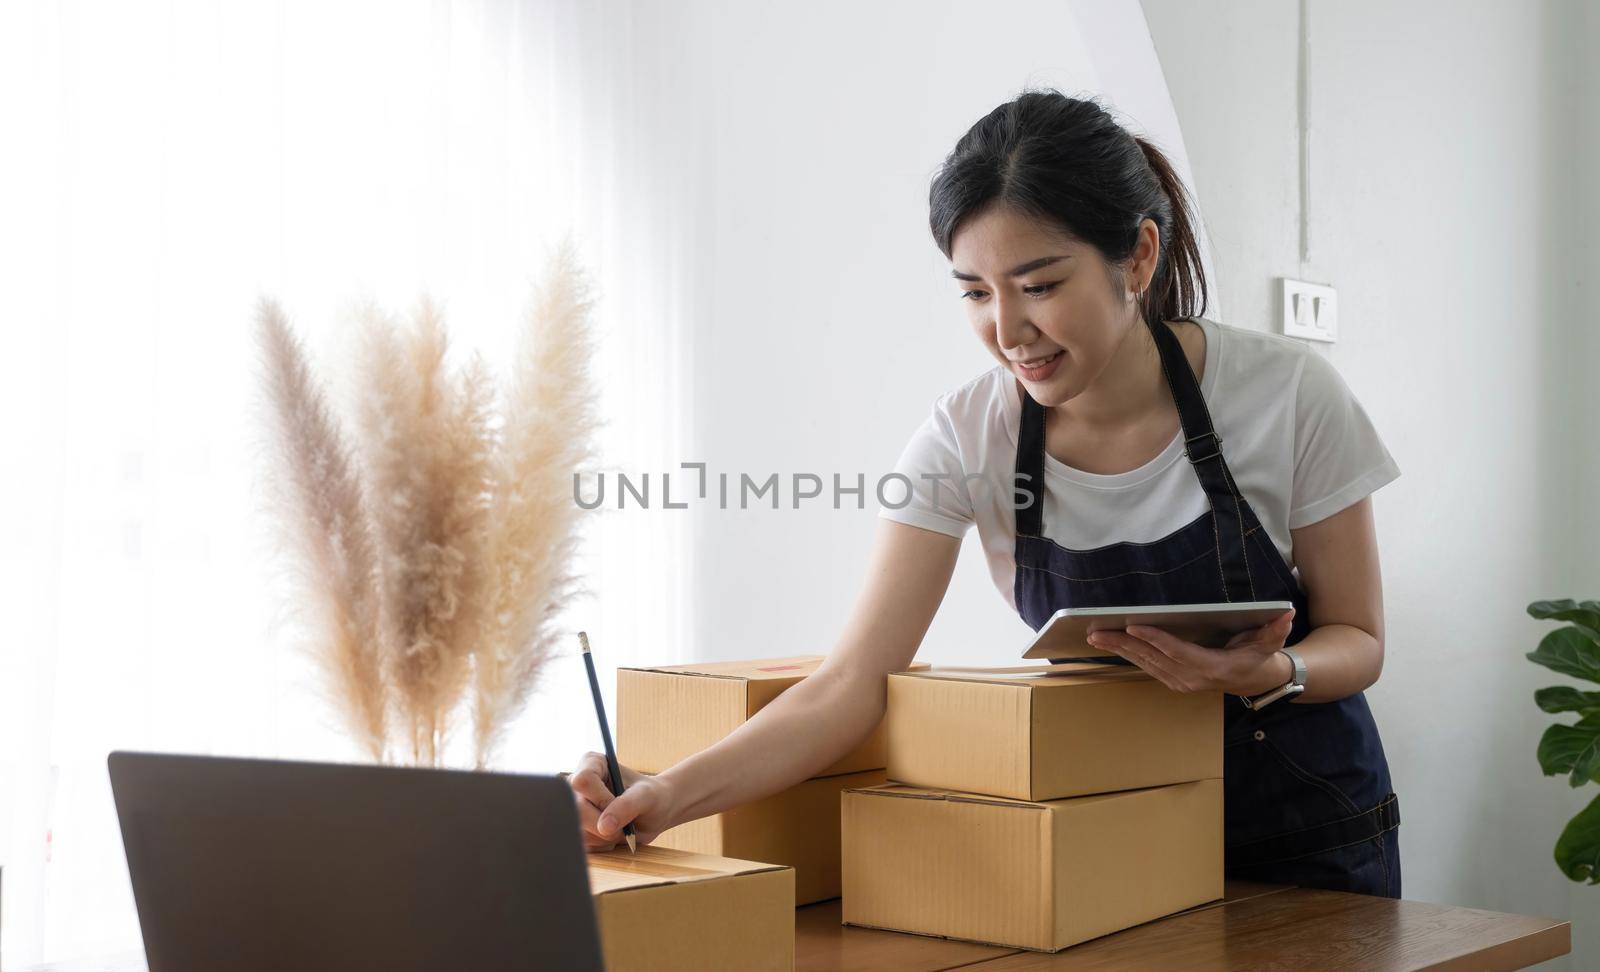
(1216, 447)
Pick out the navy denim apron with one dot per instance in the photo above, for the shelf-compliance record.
(1307, 791)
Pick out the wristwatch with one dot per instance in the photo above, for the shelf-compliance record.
(1295, 685)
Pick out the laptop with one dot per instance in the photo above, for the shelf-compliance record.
(256, 865)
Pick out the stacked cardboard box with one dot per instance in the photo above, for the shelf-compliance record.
(669, 713)
(666, 909)
(1036, 810)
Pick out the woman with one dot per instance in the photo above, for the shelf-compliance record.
(1073, 246)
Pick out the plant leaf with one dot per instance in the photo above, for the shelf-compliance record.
(1577, 850)
(1569, 651)
(1585, 615)
(1584, 769)
(1564, 749)
(1565, 698)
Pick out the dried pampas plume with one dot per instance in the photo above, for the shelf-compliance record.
(426, 439)
(321, 506)
(440, 546)
(531, 548)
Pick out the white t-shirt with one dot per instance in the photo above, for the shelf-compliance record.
(1299, 445)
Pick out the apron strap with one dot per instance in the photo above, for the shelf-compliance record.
(1030, 468)
(1202, 447)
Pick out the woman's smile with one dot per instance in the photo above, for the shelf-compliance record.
(1039, 369)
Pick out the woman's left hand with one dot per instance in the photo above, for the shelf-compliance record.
(1248, 664)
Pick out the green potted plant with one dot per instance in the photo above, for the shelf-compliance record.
(1573, 748)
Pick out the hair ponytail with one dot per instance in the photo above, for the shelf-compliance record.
(1178, 289)
(1067, 161)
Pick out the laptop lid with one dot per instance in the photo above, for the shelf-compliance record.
(257, 865)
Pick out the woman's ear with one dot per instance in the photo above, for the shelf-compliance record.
(1145, 253)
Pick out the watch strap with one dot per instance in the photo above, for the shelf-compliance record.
(1295, 685)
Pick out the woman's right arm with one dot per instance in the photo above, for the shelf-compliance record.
(806, 728)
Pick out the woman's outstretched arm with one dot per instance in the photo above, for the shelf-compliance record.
(809, 726)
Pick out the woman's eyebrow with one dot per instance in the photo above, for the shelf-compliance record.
(1028, 267)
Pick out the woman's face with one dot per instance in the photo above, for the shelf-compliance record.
(1056, 323)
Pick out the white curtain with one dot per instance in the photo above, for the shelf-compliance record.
(164, 164)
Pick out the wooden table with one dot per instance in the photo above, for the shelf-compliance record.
(1257, 926)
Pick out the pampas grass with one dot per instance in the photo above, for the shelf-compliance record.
(440, 546)
(532, 545)
(426, 438)
(321, 501)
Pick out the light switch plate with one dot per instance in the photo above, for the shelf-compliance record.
(1309, 310)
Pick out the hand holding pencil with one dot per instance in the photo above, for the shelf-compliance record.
(613, 770)
(611, 796)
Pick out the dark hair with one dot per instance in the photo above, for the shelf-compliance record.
(1067, 161)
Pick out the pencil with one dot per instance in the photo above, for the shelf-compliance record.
(605, 734)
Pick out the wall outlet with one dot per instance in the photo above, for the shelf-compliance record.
(1310, 310)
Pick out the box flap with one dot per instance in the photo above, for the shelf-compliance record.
(792, 668)
(1033, 676)
(621, 870)
(925, 793)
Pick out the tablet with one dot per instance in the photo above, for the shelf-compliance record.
(1066, 634)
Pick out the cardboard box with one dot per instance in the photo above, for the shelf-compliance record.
(798, 827)
(669, 713)
(667, 909)
(1036, 875)
(1045, 737)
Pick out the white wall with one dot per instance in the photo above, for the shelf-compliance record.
(1574, 125)
(1447, 207)
(830, 322)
